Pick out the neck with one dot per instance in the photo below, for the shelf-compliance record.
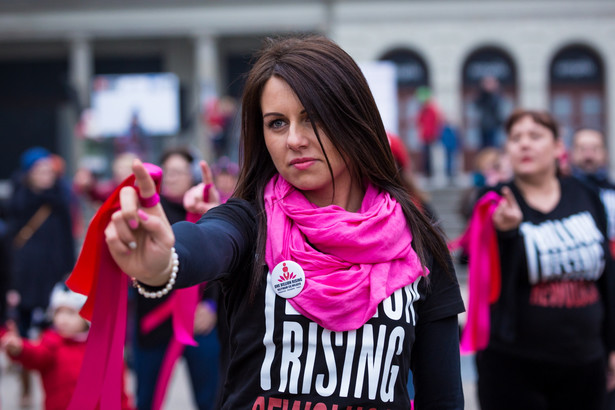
(541, 193)
(348, 197)
(535, 181)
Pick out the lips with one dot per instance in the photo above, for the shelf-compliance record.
(302, 163)
(301, 160)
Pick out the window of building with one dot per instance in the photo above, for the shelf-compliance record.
(484, 65)
(412, 73)
(577, 97)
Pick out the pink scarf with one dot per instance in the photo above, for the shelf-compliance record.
(352, 261)
(484, 276)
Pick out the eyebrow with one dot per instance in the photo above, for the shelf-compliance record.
(271, 114)
(280, 114)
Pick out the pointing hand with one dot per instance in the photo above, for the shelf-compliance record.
(508, 214)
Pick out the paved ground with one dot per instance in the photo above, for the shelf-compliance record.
(178, 397)
(179, 393)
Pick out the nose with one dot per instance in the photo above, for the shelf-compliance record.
(525, 141)
(297, 137)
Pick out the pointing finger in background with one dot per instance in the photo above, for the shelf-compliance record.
(206, 173)
(509, 197)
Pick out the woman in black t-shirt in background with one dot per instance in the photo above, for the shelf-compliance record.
(552, 327)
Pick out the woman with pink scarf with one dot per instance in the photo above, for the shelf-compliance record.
(541, 316)
(334, 285)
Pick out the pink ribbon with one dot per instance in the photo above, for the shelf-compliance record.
(484, 276)
(181, 305)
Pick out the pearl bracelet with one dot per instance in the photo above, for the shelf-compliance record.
(168, 286)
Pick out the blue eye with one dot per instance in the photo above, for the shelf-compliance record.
(275, 124)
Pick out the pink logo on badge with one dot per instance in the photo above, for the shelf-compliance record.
(286, 275)
(288, 279)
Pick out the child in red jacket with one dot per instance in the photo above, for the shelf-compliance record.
(59, 353)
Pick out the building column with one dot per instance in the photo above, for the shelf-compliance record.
(533, 77)
(81, 68)
(80, 73)
(206, 87)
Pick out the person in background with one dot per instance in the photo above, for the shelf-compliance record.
(489, 107)
(225, 177)
(588, 160)
(219, 115)
(319, 205)
(86, 184)
(419, 197)
(152, 342)
(450, 141)
(40, 226)
(58, 354)
(552, 333)
(135, 139)
(491, 167)
(429, 126)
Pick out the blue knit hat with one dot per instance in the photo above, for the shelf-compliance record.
(31, 155)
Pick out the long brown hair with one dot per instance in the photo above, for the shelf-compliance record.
(336, 97)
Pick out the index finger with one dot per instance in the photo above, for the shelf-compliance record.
(206, 173)
(145, 182)
(508, 195)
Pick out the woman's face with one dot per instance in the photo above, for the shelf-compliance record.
(177, 177)
(42, 176)
(532, 148)
(295, 150)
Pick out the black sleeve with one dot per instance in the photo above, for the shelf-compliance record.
(435, 354)
(218, 244)
(435, 365)
(440, 294)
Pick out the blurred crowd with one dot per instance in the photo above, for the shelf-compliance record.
(42, 226)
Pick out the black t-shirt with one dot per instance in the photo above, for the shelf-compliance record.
(273, 357)
(556, 302)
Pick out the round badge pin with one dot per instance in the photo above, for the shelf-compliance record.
(287, 279)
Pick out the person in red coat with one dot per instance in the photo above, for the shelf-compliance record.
(429, 126)
(59, 353)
